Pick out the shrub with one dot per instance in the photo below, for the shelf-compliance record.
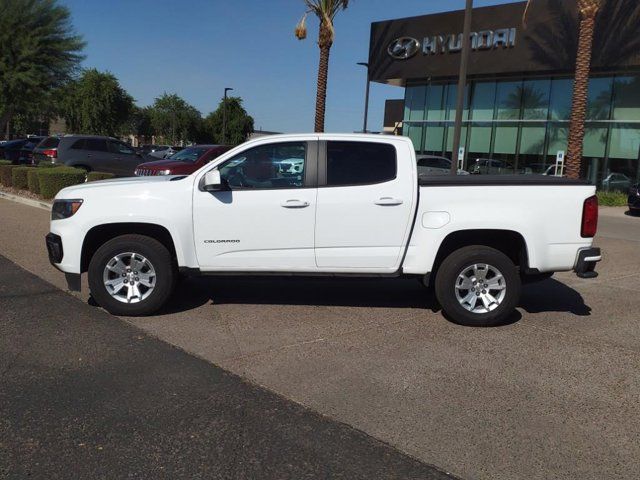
(5, 174)
(49, 165)
(32, 180)
(612, 199)
(19, 177)
(5, 162)
(52, 180)
(95, 176)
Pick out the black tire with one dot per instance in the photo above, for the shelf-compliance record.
(158, 256)
(455, 264)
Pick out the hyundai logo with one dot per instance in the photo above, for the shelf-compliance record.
(403, 48)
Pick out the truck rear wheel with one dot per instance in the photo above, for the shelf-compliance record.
(478, 286)
(131, 275)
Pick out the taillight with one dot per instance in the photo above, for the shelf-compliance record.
(590, 217)
(50, 153)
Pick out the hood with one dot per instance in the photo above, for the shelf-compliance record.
(164, 164)
(116, 182)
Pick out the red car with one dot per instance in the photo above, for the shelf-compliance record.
(184, 162)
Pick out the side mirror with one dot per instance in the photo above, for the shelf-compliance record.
(212, 181)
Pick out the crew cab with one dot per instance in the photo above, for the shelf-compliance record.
(324, 204)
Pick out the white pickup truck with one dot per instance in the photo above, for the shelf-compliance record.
(337, 205)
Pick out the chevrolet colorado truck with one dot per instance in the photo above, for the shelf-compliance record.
(323, 204)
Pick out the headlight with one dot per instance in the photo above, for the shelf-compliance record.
(163, 172)
(65, 208)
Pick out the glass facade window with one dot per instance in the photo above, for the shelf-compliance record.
(508, 100)
(626, 103)
(521, 124)
(436, 102)
(561, 93)
(535, 99)
(483, 101)
(414, 102)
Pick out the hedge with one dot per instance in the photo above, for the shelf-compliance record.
(52, 180)
(32, 180)
(95, 176)
(49, 165)
(612, 199)
(5, 174)
(19, 177)
(5, 162)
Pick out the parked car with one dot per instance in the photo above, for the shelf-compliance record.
(19, 151)
(90, 152)
(151, 149)
(539, 169)
(634, 199)
(487, 166)
(616, 182)
(434, 165)
(184, 162)
(164, 151)
(356, 208)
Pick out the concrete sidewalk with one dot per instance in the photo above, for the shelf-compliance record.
(553, 395)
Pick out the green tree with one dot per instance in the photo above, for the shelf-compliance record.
(139, 122)
(38, 53)
(96, 104)
(174, 119)
(239, 122)
(326, 11)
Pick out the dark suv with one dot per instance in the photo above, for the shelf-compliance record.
(90, 152)
(634, 200)
(19, 151)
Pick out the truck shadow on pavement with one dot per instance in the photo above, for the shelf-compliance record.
(546, 296)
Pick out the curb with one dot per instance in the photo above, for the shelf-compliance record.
(26, 201)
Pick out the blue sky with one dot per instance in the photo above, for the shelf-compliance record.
(197, 47)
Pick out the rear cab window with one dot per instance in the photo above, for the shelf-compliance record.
(360, 163)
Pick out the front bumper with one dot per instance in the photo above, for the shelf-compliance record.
(54, 248)
(56, 254)
(586, 263)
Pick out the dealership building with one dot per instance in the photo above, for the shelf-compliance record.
(518, 97)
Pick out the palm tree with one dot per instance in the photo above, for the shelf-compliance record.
(325, 10)
(588, 10)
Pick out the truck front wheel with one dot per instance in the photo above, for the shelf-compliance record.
(478, 286)
(131, 275)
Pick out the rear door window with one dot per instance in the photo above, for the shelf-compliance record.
(120, 148)
(78, 145)
(95, 145)
(360, 163)
(51, 142)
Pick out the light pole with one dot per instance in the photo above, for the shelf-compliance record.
(462, 83)
(224, 116)
(366, 98)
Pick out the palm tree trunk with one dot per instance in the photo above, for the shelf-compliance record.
(580, 96)
(324, 43)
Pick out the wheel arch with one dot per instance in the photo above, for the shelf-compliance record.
(509, 242)
(101, 234)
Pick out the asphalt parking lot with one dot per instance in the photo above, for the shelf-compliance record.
(552, 395)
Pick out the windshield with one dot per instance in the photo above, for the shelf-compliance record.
(189, 154)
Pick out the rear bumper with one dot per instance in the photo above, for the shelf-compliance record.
(586, 262)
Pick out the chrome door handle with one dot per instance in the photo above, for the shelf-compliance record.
(295, 204)
(388, 201)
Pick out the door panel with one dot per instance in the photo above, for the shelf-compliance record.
(123, 159)
(265, 221)
(363, 226)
